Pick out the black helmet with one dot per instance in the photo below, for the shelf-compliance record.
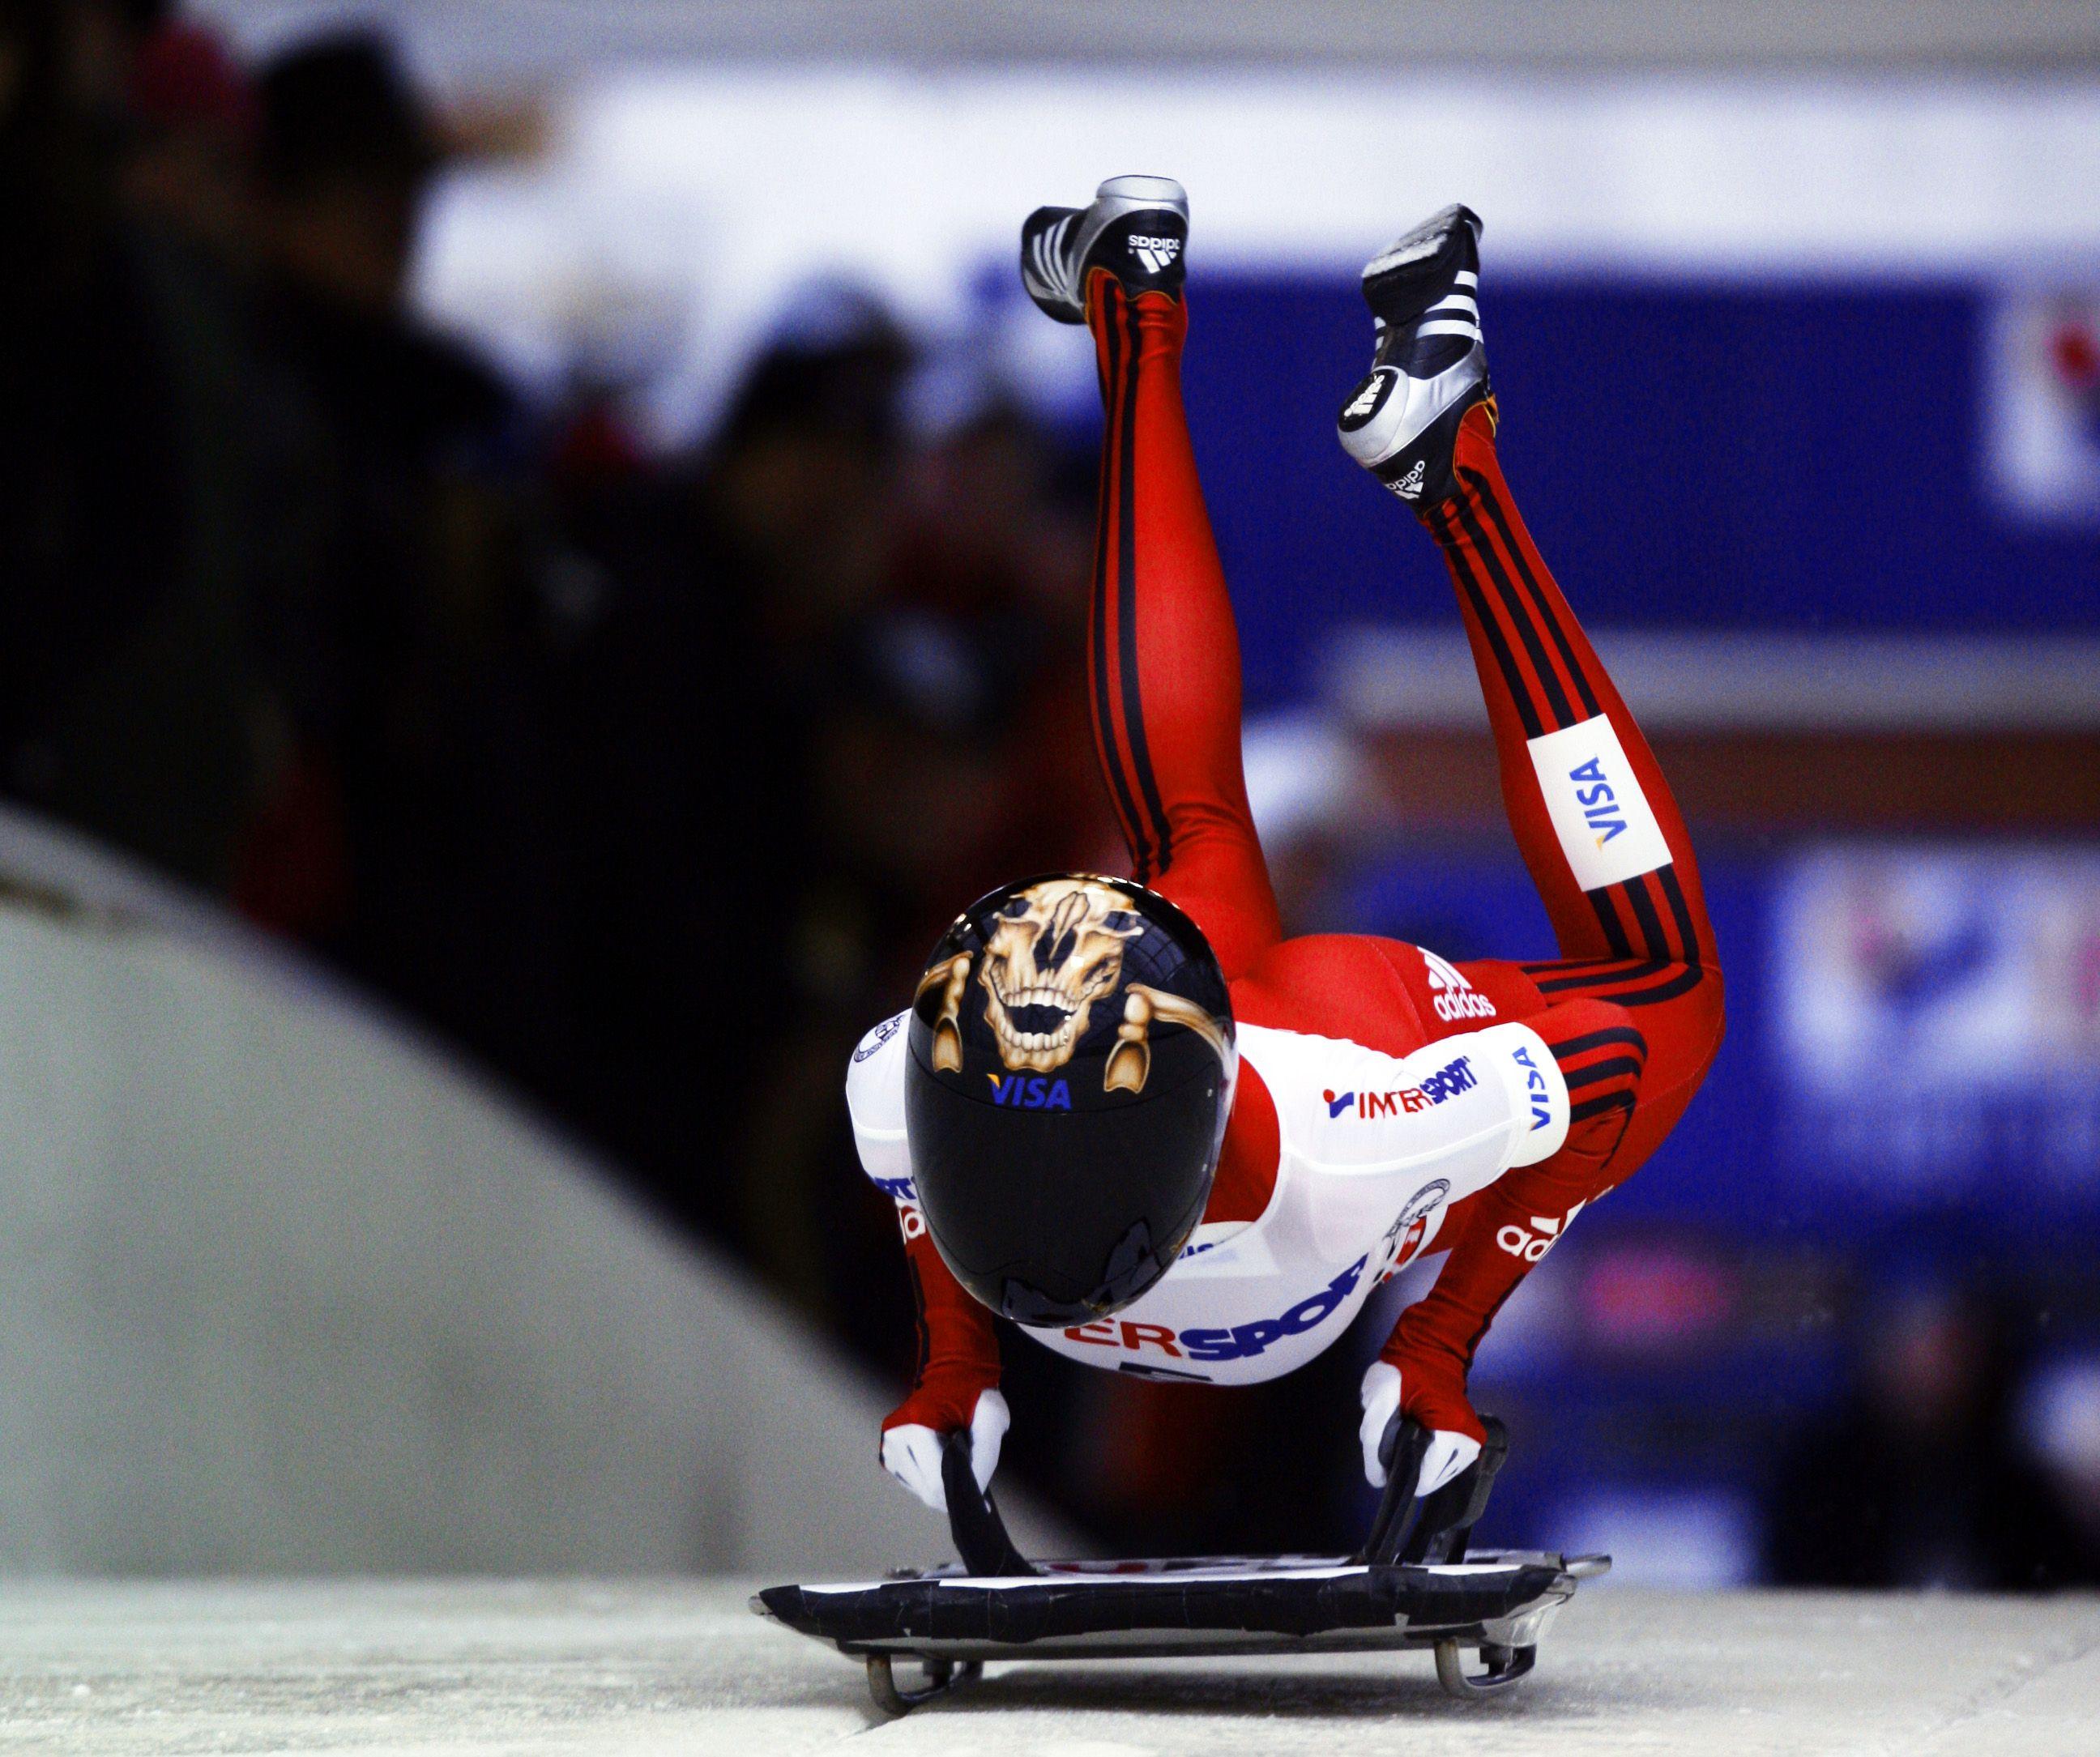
(1071, 1074)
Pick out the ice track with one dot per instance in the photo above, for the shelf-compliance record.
(447, 1669)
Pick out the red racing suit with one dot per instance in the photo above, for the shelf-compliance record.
(1630, 1012)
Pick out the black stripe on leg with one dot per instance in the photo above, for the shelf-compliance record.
(1602, 1105)
(1645, 915)
(1521, 618)
(1618, 1065)
(1112, 389)
(1625, 970)
(1133, 705)
(1688, 978)
(1625, 1035)
(1615, 934)
(1553, 966)
(1483, 490)
(1505, 660)
(1674, 891)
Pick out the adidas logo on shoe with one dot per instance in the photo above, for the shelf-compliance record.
(1157, 254)
(1408, 487)
(1366, 400)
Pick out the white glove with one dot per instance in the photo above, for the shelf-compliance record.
(1448, 1454)
(912, 1453)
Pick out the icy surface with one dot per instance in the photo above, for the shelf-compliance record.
(442, 1669)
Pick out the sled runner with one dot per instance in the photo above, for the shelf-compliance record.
(1414, 1584)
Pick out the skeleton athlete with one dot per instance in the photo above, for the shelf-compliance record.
(1131, 1115)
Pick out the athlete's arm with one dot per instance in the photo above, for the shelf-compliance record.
(1595, 1054)
(1476, 1114)
(956, 1383)
(1163, 654)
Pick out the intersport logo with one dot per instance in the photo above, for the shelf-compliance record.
(1454, 1076)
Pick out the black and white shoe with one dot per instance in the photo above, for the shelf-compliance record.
(1430, 367)
(1137, 230)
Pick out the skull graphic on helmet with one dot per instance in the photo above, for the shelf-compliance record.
(1057, 948)
(1054, 947)
(1069, 1072)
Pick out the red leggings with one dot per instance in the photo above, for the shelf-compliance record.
(1632, 1008)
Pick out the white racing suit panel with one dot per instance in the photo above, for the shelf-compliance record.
(1374, 1150)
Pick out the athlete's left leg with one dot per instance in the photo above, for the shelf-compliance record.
(1164, 659)
(1635, 1032)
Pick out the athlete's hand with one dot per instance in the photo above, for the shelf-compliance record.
(911, 1449)
(1451, 1449)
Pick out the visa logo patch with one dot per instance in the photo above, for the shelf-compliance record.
(1606, 828)
(1600, 803)
(1030, 1092)
(1536, 1088)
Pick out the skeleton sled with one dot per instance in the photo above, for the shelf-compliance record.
(1414, 1584)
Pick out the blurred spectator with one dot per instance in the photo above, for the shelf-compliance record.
(192, 121)
(411, 833)
(709, 602)
(346, 154)
(1922, 1479)
(155, 505)
(856, 663)
(954, 754)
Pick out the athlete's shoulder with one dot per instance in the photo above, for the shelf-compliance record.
(875, 1099)
(1313, 1077)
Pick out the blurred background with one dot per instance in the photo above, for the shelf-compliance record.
(544, 555)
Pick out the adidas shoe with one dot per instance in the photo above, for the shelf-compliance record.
(1135, 230)
(1430, 367)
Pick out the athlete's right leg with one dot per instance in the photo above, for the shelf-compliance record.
(1631, 1012)
(1593, 816)
(1163, 665)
